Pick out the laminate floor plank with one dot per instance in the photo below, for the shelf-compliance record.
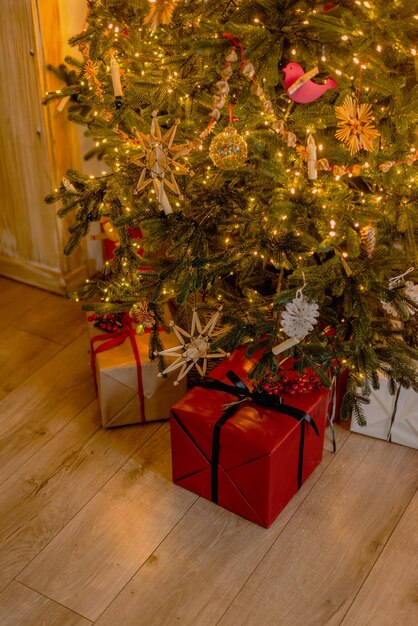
(314, 570)
(390, 594)
(36, 410)
(97, 553)
(17, 299)
(54, 485)
(21, 354)
(20, 606)
(92, 529)
(197, 571)
(55, 318)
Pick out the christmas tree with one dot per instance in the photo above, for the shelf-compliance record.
(267, 150)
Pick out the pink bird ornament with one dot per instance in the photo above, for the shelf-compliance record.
(299, 86)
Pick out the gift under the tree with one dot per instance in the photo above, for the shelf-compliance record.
(340, 389)
(339, 382)
(248, 451)
(128, 387)
(111, 239)
(391, 417)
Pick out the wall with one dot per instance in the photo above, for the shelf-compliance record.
(36, 146)
(73, 16)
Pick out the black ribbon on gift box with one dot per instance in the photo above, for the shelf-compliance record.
(261, 398)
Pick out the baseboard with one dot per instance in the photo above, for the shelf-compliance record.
(42, 276)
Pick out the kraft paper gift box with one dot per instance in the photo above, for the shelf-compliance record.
(394, 418)
(248, 457)
(119, 380)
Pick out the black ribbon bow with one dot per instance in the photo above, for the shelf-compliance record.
(261, 398)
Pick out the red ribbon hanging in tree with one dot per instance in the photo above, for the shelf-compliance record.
(232, 119)
(238, 44)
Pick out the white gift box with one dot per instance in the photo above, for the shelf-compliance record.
(394, 418)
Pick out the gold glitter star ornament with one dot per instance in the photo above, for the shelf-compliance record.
(355, 125)
(193, 350)
(158, 156)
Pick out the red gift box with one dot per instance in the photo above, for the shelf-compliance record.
(109, 245)
(250, 456)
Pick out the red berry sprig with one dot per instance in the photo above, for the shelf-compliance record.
(291, 385)
(107, 323)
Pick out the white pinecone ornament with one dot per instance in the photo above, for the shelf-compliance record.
(368, 239)
(411, 291)
(299, 317)
(390, 310)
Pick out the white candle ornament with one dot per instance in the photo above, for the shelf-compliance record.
(311, 150)
(62, 104)
(114, 70)
(285, 345)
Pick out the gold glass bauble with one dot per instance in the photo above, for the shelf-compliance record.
(228, 150)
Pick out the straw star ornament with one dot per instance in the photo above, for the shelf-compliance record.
(355, 126)
(158, 156)
(193, 350)
(161, 12)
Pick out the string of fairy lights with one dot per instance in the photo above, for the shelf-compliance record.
(307, 149)
(277, 123)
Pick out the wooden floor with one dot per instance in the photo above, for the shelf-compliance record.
(93, 531)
